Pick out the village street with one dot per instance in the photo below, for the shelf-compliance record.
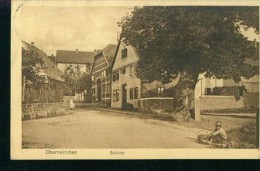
(87, 128)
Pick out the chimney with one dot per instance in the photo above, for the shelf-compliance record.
(76, 50)
(32, 43)
(55, 59)
(255, 43)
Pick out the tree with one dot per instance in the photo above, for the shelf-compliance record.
(191, 40)
(84, 85)
(31, 65)
(171, 40)
(71, 76)
(76, 80)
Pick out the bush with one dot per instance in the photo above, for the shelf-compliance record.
(150, 93)
(235, 91)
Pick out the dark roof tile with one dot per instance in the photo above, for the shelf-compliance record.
(74, 57)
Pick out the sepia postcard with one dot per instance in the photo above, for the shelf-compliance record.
(134, 79)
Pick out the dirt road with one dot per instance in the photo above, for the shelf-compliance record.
(99, 129)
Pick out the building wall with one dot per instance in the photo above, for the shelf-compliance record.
(220, 102)
(105, 85)
(132, 57)
(61, 66)
(131, 82)
(155, 105)
(212, 82)
(125, 78)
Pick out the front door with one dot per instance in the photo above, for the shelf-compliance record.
(124, 96)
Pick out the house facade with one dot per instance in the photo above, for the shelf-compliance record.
(101, 74)
(127, 89)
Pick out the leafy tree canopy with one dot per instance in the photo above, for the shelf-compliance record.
(194, 40)
(76, 80)
(31, 65)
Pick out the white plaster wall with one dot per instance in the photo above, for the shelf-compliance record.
(130, 80)
(131, 57)
(61, 66)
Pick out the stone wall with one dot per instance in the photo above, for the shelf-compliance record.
(155, 105)
(220, 102)
(40, 110)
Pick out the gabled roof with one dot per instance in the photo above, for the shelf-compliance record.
(74, 57)
(109, 53)
(50, 68)
(117, 48)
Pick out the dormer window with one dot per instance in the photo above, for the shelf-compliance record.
(124, 53)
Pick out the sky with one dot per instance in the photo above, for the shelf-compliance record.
(69, 28)
(85, 28)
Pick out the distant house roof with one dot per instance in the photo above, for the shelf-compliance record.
(74, 57)
(50, 68)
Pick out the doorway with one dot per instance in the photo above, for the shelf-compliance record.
(124, 96)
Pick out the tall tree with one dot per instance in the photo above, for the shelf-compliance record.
(76, 80)
(194, 40)
(31, 65)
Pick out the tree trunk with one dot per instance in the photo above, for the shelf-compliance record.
(191, 105)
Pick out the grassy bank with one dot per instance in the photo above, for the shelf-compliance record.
(240, 131)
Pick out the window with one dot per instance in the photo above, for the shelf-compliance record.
(160, 91)
(124, 53)
(136, 92)
(115, 75)
(122, 71)
(115, 95)
(104, 73)
(108, 87)
(131, 93)
(131, 70)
